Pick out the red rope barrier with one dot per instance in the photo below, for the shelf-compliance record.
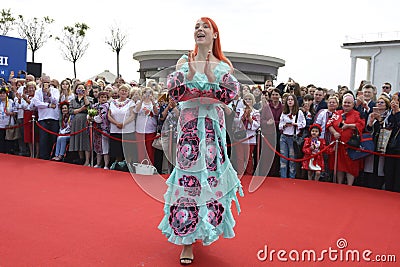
(58, 134)
(296, 160)
(241, 141)
(370, 152)
(124, 141)
(15, 126)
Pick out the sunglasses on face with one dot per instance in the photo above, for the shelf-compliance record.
(385, 87)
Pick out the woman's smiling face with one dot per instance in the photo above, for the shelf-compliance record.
(203, 33)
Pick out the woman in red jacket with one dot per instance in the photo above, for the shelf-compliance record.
(342, 126)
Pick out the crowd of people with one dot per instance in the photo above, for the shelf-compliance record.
(130, 117)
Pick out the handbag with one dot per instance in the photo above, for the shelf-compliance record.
(12, 133)
(354, 140)
(298, 141)
(392, 143)
(366, 143)
(240, 134)
(157, 143)
(144, 169)
(383, 140)
(120, 166)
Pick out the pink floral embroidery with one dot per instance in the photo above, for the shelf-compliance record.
(191, 185)
(215, 211)
(183, 216)
(188, 150)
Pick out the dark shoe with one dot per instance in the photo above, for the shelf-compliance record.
(183, 261)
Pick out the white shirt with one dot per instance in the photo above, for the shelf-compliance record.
(146, 121)
(251, 127)
(5, 119)
(288, 118)
(120, 111)
(44, 111)
(322, 118)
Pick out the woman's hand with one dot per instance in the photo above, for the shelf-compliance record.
(207, 69)
(336, 135)
(192, 69)
(120, 125)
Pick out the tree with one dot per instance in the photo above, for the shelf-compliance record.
(35, 32)
(73, 44)
(117, 42)
(7, 21)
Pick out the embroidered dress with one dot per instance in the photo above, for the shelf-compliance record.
(203, 184)
(101, 142)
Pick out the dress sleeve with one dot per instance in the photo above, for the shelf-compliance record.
(176, 85)
(307, 146)
(227, 89)
(360, 123)
(332, 120)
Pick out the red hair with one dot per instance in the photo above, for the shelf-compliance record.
(217, 51)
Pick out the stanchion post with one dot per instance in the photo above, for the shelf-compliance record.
(91, 142)
(33, 136)
(258, 146)
(336, 161)
(170, 148)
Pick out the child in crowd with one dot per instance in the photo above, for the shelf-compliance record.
(313, 145)
(100, 141)
(65, 128)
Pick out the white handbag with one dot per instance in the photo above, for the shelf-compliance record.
(312, 166)
(144, 169)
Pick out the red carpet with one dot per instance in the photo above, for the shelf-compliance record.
(56, 214)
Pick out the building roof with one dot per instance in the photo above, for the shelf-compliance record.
(110, 77)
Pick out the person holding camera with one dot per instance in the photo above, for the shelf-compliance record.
(364, 102)
(79, 109)
(373, 167)
(46, 101)
(392, 165)
(342, 126)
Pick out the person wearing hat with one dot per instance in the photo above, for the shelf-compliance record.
(313, 145)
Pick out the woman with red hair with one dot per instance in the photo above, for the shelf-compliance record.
(203, 184)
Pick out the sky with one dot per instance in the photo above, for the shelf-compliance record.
(307, 34)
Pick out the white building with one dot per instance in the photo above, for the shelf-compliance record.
(383, 62)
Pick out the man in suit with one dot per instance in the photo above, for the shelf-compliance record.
(319, 100)
(364, 102)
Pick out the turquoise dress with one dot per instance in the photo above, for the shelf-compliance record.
(203, 184)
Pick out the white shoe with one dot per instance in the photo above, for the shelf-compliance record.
(97, 166)
(106, 168)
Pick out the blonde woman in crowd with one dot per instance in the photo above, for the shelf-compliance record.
(146, 124)
(249, 118)
(29, 110)
(66, 93)
(122, 125)
(136, 94)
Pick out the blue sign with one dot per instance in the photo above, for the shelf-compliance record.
(12, 56)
